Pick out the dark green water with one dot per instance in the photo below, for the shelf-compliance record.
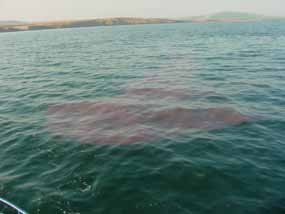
(239, 169)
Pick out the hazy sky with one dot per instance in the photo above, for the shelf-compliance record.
(38, 10)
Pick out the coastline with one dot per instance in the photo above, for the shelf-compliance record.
(34, 26)
(84, 23)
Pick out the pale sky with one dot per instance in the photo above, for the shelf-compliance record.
(40, 10)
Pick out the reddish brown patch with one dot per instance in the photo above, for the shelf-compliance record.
(111, 122)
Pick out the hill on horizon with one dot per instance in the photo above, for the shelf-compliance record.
(219, 16)
(230, 16)
(82, 23)
(11, 26)
(235, 15)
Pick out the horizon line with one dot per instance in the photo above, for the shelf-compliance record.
(139, 17)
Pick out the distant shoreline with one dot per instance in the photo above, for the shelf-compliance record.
(22, 27)
(84, 23)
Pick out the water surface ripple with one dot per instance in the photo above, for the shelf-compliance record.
(237, 168)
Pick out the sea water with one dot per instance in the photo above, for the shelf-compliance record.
(237, 169)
